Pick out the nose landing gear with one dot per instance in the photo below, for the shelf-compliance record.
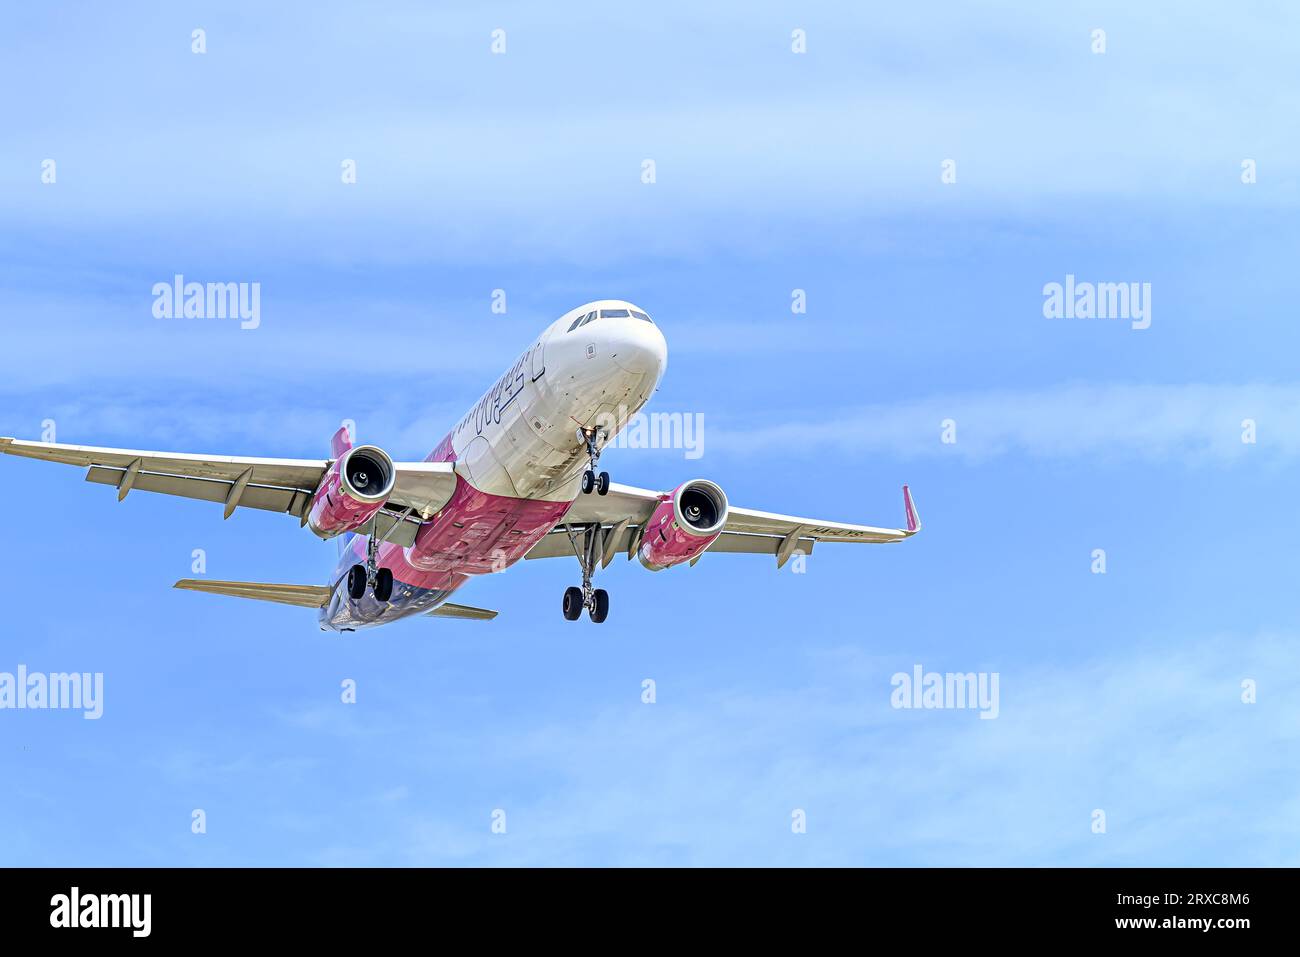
(595, 600)
(591, 480)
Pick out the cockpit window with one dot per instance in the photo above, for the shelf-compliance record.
(610, 314)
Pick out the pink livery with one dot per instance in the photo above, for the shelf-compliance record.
(687, 521)
(517, 477)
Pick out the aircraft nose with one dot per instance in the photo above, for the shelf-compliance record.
(638, 347)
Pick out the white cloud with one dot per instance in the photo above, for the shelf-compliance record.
(466, 156)
(1194, 424)
(1157, 737)
(1197, 423)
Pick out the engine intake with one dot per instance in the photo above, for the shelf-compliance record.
(354, 488)
(685, 523)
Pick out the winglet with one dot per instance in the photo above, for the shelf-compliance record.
(909, 507)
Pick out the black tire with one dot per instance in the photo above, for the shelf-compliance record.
(601, 611)
(357, 582)
(588, 481)
(602, 483)
(572, 603)
(384, 584)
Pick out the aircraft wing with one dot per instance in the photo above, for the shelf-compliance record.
(623, 512)
(276, 485)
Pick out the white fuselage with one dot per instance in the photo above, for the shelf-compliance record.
(520, 440)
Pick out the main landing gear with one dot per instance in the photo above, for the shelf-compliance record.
(359, 576)
(595, 600)
(591, 480)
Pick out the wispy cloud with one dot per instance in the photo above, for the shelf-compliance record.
(490, 166)
(1194, 423)
(1153, 738)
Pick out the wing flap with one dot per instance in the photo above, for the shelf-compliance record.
(556, 543)
(743, 543)
(304, 596)
(206, 490)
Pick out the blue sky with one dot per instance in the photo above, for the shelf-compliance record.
(775, 171)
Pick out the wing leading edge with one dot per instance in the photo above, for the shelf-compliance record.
(624, 511)
(272, 484)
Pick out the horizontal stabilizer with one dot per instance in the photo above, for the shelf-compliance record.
(462, 611)
(305, 596)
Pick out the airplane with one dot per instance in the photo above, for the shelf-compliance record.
(516, 478)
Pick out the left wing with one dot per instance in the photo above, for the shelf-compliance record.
(276, 485)
(623, 512)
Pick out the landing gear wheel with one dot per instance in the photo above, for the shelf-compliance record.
(572, 603)
(588, 552)
(591, 439)
(357, 582)
(599, 605)
(384, 584)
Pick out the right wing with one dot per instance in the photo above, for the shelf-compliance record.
(623, 512)
(276, 485)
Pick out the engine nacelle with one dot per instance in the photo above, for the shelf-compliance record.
(686, 522)
(356, 486)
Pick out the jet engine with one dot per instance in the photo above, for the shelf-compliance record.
(356, 487)
(686, 522)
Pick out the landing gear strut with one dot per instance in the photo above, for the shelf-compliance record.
(595, 600)
(590, 478)
(359, 576)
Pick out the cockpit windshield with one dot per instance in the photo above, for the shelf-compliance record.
(610, 314)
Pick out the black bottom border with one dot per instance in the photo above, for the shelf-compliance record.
(926, 905)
